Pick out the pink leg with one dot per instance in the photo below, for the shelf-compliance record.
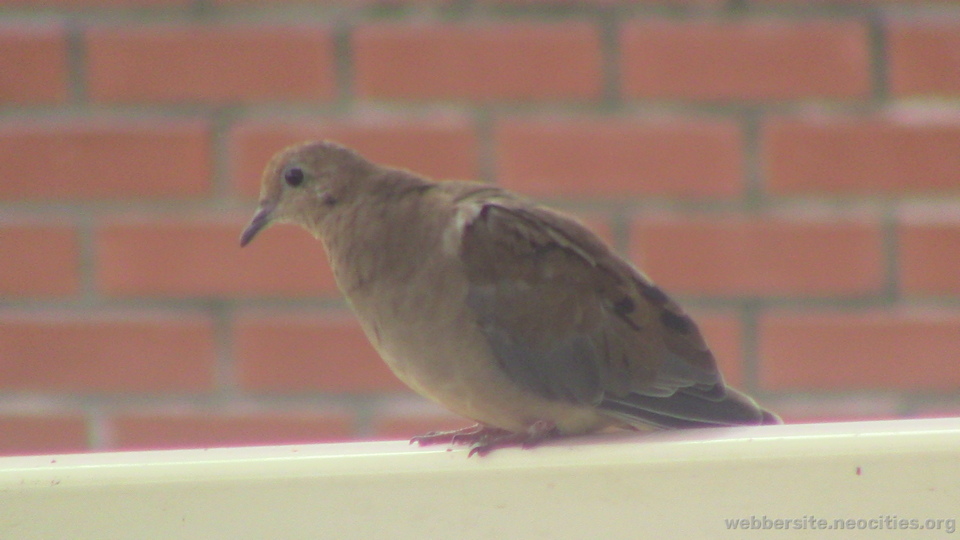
(485, 439)
(467, 435)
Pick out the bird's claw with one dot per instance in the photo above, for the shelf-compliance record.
(484, 439)
(463, 436)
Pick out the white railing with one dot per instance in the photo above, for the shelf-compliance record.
(891, 479)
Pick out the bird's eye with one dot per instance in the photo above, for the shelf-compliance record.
(293, 177)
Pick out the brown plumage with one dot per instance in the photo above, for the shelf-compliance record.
(511, 314)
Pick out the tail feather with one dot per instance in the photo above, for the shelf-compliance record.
(688, 408)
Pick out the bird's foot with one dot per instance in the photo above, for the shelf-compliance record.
(467, 435)
(485, 439)
(533, 435)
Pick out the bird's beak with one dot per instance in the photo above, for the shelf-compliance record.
(259, 222)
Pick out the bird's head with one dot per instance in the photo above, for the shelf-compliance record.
(303, 183)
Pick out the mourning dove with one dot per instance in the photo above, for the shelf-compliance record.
(508, 313)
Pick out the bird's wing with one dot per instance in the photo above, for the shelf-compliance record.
(569, 320)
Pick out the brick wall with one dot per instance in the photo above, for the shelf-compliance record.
(790, 170)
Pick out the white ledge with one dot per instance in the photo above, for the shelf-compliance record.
(877, 477)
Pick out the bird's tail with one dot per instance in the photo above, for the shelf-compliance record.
(689, 408)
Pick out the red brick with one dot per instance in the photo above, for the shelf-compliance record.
(42, 434)
(279, 352)
(949, 409)
(442, 148)
(839, 408)
(169, 257)
(753, 60)
(826, 416)
(350, 3)
(38, 260)
(33, 66)
(929, 252)
(104, 160)
(808, 351)
(478, 61)
(766, 256)
(80, 4)
(862, 156)
(232, 429)
(601, 3)
(92, 353)
(210, 64)
(846, 3)
(616, 158)
(923, 58)
(724, 335)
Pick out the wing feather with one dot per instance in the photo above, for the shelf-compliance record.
(569, 320)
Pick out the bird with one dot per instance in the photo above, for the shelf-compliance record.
(506, 312)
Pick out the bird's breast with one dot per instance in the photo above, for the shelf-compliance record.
(409, 289)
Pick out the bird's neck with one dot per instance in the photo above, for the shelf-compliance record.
(380, 234)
